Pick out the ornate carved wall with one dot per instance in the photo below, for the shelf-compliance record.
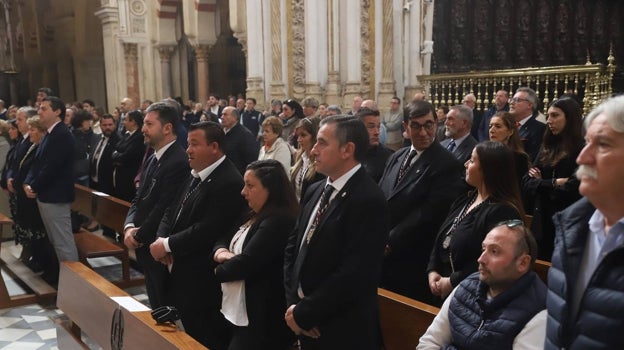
(495, 34)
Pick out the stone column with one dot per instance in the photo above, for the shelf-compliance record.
(109, 15)
(352, 50)
(203, 84)
(278, 89)
(315, 48)
(165, 52)
(386, 85)
(255, 52)
(333, 87)
(132, 72)
(413, 59)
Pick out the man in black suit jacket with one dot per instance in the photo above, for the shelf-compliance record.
(333, 257)
(165, 173)
(420, 182)
(240, 145)
(523, 106)
(127, 156)
(51, 176)
(207, 208)
(458, 125)
(101, 161)
(374, 160)
(250, 118)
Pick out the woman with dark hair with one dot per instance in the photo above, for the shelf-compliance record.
(495, 198)
(551, 185)
(292, 112)
(251, 262)
(303, 173)
(503, 129)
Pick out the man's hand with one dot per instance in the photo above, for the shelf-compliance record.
(292, 324)
(10, 185)
(167, 260)
(157, 249)
(434, 278)
(29, 192)
(222, 255)
(129, 239)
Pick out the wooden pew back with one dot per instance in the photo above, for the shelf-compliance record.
(84, 296)
(403, 320)
(106, 209)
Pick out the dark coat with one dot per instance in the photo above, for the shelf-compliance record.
(105, 167)
(531, 134)
(340, 272)
(418, 206)
(127, 160)
(240, 147)
(463, 152)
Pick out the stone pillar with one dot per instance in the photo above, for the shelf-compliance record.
(203, 84)
(255, 52)
(333, 89)
(315, 48)
(109, 15)
(165, 52)
(278, 88)
(414, 37)
(132, 72)
(351, 49)
(386, 85)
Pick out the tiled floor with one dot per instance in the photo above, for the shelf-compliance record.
(34, 326)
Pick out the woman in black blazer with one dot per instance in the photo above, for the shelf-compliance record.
(252, 260)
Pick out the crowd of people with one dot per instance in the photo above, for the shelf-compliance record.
(266, 228)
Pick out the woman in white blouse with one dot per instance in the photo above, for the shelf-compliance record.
(274, 146)
(251, 261)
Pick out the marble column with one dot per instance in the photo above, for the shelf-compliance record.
(132, 72)
(255, 52)
(277, 87)
(351, 49)
(165, 52)
(386, 85)
(315, 48)
(333, 87)
(203, 84)
(109, 16)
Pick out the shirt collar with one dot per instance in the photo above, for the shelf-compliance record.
(525, 119)
(52, 127)
(460, 140)
(340, 182)
(203, 174)
(158, 154)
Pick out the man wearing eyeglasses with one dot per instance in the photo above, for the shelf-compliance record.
(523, 106)
(503, 306)
(419, 182)
(586, 280)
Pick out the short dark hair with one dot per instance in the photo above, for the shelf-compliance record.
(274, 179)
(80, 116)
(417, 109)
(137, 116)
(213, 132)
(56, 104)
(251, 99)
(350, 129)
(107, 116)
(167, 113)
(365, 112)
(215, 96)
(89, 102)
(46, 90)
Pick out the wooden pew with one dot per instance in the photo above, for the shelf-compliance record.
(111, 212)
(403, 320)
(84, 296)
(541, 268)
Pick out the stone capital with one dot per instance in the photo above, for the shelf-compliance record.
(130, 51)
(165, 52)
(202, 52)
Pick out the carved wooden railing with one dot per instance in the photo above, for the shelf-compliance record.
(590, 82)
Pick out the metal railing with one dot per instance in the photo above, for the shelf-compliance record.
(590, 82)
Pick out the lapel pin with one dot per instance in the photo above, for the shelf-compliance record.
(344, 194)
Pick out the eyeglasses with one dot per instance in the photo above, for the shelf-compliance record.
(525, 234)
(430, 125)
(518, 99)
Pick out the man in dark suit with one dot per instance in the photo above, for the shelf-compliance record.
(22, 146)
(213, 109)
(333, 257)
(51, 176)
(127, 156)
(240, 145)
(250, 118)
(458, 124)
(374, 160)
(101, 161)
(523, 106)
(165, 173)
(207, 208)
(420, 182)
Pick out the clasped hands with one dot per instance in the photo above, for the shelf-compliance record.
(292, 324)
(157, 248)
(440, 286)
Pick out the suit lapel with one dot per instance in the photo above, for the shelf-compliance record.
(307, 213)
(415, 171)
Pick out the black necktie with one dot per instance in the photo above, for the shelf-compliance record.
(451, 146)
(405, 165)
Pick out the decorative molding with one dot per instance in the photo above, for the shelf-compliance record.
(298, 48)
(130, 51)
(276, 42)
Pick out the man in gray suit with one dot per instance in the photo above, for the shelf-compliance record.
(458, 124)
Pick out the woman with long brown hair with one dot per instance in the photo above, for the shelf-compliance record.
(304, 173)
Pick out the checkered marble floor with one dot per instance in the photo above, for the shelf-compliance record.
(34, 326)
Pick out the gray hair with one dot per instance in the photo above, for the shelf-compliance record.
(463, 112)
(613, 109)
(29, 111)
(334, 108)
(531, 95)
